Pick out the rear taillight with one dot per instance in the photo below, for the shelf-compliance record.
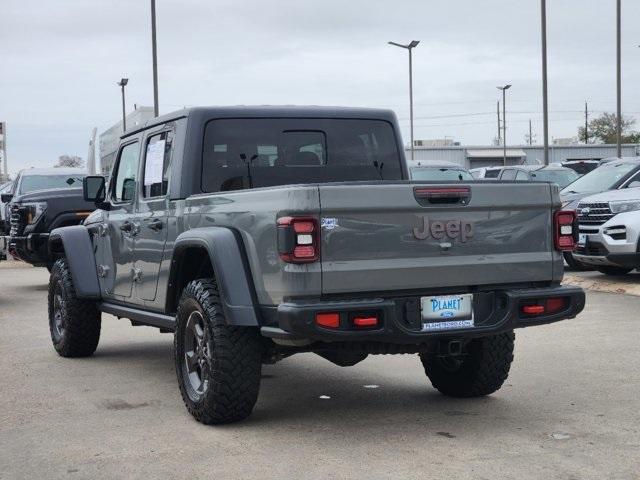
(565, 230)
(544, 306)
(298, 239)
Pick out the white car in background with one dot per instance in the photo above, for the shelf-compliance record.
(609, 231)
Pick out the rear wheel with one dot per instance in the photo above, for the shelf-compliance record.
(74, 323)
(218, 365)
(611, 270)
(480, 370)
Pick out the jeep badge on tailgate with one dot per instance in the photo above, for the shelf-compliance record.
(440, 229)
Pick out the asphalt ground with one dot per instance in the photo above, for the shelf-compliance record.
(569, 410)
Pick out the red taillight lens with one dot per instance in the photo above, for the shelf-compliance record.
(547, 306)
(328, 320)
(298, 239)
(565, 230)
(365, 322)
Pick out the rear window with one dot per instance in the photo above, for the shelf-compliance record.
(440, 174)
(252, 153)
(561, 177)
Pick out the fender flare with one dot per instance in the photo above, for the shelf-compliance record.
(80, 258)
(230, 267)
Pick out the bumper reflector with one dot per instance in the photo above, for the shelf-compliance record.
(328, 320)
(547, 306)
(365, 322)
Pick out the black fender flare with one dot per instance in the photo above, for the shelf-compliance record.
(80, 257)
(230, 267)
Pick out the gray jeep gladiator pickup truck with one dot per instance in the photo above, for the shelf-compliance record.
(254, 233)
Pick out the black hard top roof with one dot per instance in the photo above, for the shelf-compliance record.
(269, 111)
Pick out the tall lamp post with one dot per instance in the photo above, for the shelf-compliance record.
(123, 83)
(504, 122)
(618, 79)
(410, 46)
(545, 99)
(154, 54)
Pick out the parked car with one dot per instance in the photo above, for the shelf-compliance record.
(609, 231)
(440, 171)
(368, 261)
(486, 173)
(40, 200)
(4, 217)
(611, 175)
(584, 166)
(553, 173)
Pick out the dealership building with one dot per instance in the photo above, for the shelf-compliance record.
(487, 156)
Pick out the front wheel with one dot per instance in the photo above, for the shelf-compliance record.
(218, 365)
(615, 271)
(74, 323)
(480, 370)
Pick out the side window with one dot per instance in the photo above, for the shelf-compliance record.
(520, 175)
(157, 158)
(494, 173)
(126, 176)
(509, 174)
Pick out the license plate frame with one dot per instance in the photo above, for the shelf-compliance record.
(583, 239)
(447, 312)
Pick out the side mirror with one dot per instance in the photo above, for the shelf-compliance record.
(6, 197)
(93, 189)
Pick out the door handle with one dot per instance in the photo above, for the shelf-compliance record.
(155, 225)
(126, 227)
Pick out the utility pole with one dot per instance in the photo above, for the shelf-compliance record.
(498, 112)
(586, 122)
(619, 77)
(413, 44)
(154, 53)
(504, 122)
(545, 104)
(530, 134)
(3, 149)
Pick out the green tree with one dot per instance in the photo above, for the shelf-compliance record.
(602, 129)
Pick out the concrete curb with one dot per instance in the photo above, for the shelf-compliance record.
(626, 284)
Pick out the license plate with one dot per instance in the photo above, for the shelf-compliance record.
(448, 312)
(582, 239)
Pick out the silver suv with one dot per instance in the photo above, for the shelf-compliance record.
(609, 231)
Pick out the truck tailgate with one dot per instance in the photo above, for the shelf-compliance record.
(404, 236)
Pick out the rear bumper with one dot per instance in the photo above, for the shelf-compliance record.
(31, 248)
(400, 319)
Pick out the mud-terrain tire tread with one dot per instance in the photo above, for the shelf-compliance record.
(483, 370)
(82, 320)
(236, 357)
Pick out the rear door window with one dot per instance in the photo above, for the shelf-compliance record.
(156, 164)
(508, 174)
(251, 153)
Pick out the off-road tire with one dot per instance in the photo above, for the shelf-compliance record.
(614, 271)
(234, 358)
(74, 323)
(480, 371)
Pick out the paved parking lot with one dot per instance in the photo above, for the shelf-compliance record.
(570, 409)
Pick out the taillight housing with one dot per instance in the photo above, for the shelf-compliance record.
(565, 230)
(298, 239)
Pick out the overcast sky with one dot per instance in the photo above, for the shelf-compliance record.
(60, 61)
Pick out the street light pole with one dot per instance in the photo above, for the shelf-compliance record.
(619, 78)
(504, 122)
(123, 82)
(545, 103)
(410, 46)
(154, 53)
